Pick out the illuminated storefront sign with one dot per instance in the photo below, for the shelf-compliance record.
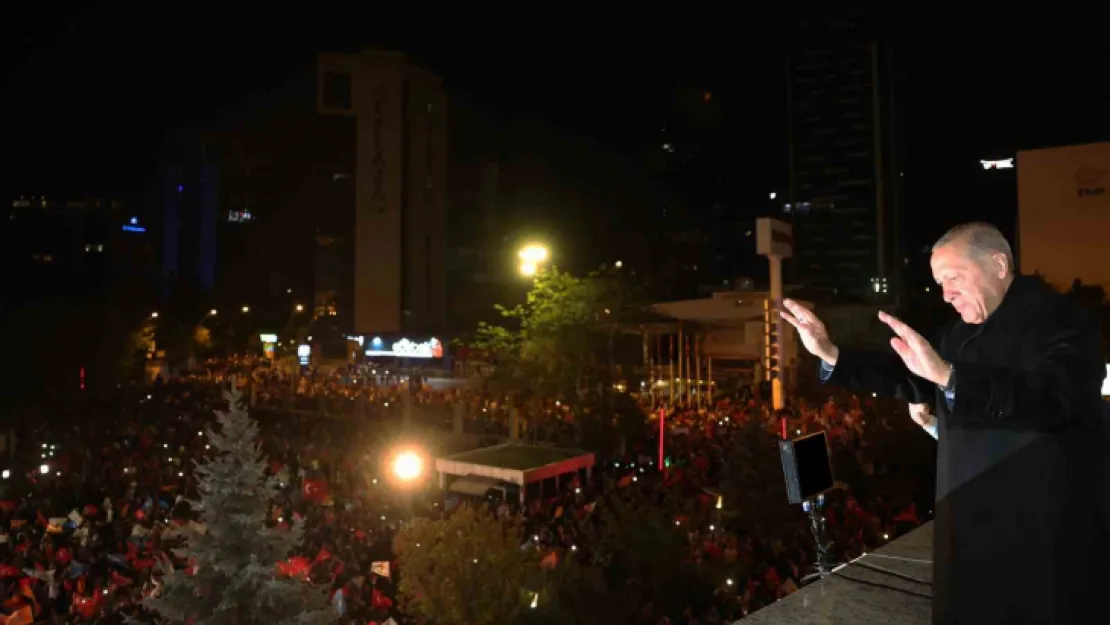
(405, 348)
(268, 342)
(304, 352)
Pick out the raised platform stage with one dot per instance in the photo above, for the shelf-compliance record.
(876, 588)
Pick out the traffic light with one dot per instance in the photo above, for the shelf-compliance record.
(772, 350)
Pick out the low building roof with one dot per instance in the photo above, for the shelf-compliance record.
(515, 462)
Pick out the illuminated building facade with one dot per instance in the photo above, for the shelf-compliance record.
(328, 192)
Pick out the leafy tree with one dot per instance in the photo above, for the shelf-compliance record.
(576, 593)
(466, 569)
(58, 338)
(562, 337)
(644, 556)
(234, 580)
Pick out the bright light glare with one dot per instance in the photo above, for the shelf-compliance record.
(213, 312)
(408, 465)
(44, 469)
(533, 253)
(1005, 163)
(528, 268)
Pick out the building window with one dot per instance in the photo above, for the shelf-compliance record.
(337, 91)
(240, 216)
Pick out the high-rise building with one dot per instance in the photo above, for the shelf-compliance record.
(706, 225)
(400, 181)
(55, 247)
(845, 191)
(326, 194)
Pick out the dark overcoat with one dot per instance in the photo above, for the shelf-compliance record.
(1020, 527)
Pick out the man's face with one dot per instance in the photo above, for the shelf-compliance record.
(973, 286)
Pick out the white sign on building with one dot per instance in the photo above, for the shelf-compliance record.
(773, 238)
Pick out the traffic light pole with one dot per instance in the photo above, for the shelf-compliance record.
(775, 240)
(778, 401)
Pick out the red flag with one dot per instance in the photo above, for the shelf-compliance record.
(294, 567)
(120, 581)
(7, 570)
(909, 515)
(85, 606)
(315, 490)
(22, 616)
(380, 601)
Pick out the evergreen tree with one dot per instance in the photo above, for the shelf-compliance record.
(234, 581)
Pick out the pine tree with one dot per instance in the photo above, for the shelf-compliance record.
(234, 581)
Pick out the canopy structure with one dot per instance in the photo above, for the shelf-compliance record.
(515, 463)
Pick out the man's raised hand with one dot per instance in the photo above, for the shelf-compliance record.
(814, 336)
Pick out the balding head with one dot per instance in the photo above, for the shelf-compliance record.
(983, 242)
(974, 266)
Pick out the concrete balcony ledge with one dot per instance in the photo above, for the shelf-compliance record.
(876, 588)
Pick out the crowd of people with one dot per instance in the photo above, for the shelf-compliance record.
(91, 498)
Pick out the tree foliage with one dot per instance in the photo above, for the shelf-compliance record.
(55, 339)
(562, 337)
(234, 581)
(466, 569)
(644, 556)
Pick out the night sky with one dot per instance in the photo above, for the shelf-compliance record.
(92, 91)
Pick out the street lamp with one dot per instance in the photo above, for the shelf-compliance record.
(154, 315)
(408, 466)
(299, 308)
(246, 309)
(531, 257)
(213, 312)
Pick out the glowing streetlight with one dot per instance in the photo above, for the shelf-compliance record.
(246, 309)
(533, 253)
(531, 257)
(154, 315)
(408, 466)
(299, 308)
(213, 312)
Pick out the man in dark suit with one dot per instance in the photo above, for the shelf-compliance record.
(1019, 532)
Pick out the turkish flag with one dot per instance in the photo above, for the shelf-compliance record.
(85, 606)
(296, 566)
(315, 490)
